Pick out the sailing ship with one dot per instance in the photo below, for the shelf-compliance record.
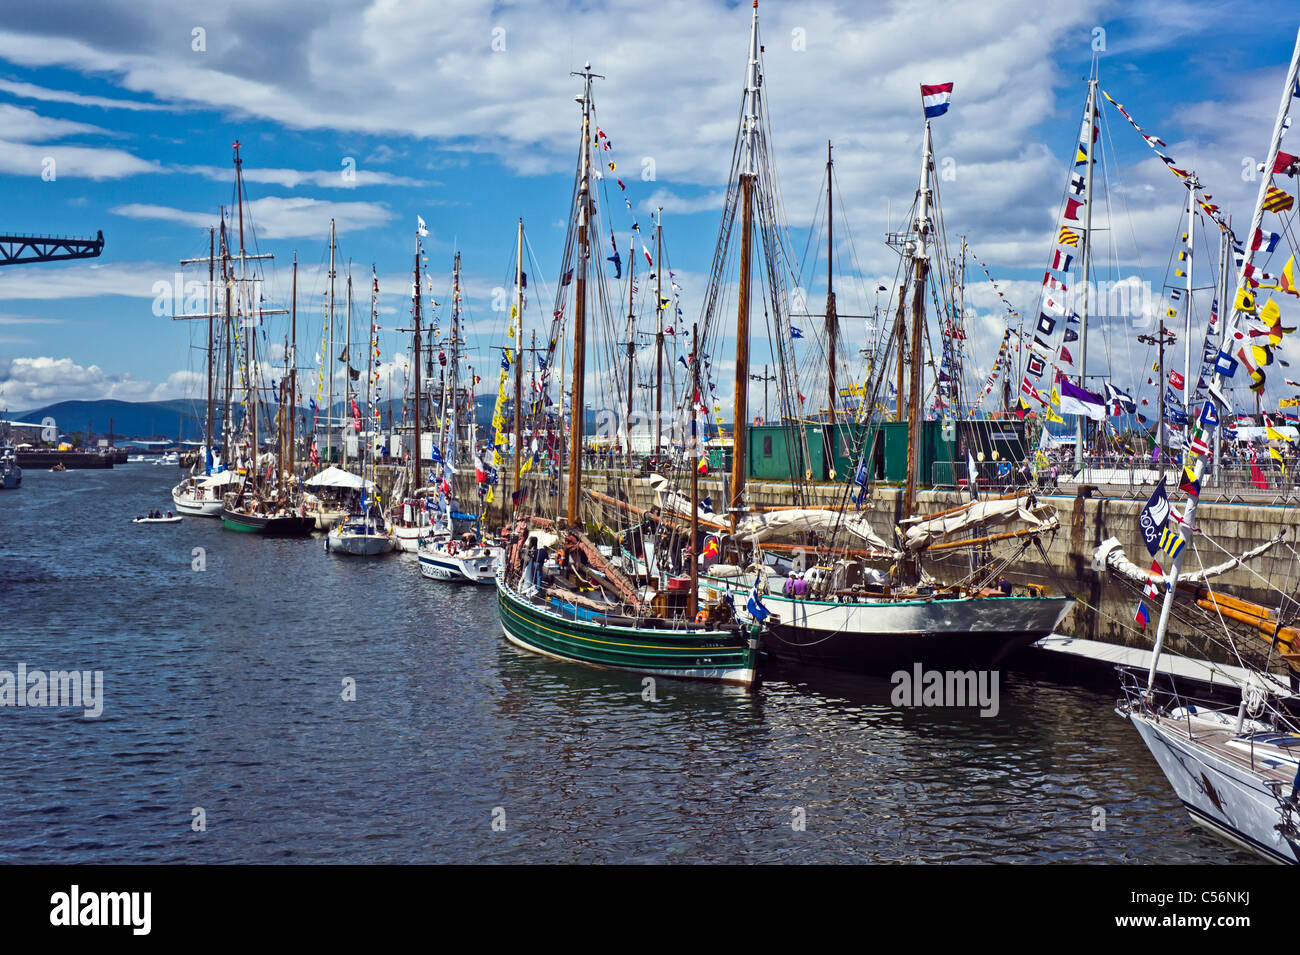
(366, 533)
(470, 558)
(269, 504)
(1236, 773)
(853, 617)
(558, 594)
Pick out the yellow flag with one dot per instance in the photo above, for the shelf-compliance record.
(527, 465)
(1245, 301)
(1056, 397)
(1053, 416)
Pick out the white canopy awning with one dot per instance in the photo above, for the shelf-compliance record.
(337, 477)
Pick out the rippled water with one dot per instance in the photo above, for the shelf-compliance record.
(223, 691)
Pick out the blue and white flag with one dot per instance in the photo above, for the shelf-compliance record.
(755, 606)
(1153, 518)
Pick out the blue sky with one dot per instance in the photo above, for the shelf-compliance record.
(463, 112)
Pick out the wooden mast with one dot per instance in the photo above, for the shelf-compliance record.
(577, 421)
(631, 347)
(519, 364)
(693, 594)
(832, 320)
(747, 179)
(920, 266)
(292, 406)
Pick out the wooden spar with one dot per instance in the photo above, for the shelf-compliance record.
(1285, 637)
(692, 595)
(738, 418)
(915, 396)
(990, 539)
(519, 363)
(964, 507)
(596, 559)
(900, 328)
(832, 320)
(577, 413)
(914, 392)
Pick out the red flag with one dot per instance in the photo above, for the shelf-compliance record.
(1176, 380)
(1257, 477)
(1282, 162)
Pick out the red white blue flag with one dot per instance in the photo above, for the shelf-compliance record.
(935, 99)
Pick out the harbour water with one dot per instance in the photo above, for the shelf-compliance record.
(223, 701)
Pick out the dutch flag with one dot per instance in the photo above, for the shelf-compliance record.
(935, 99)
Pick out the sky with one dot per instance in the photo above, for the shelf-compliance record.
(121, 117)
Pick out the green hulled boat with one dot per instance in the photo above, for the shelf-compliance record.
(562, 631)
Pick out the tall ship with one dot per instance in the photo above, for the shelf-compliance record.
(559, 592)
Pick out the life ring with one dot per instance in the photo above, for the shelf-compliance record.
(702, 616)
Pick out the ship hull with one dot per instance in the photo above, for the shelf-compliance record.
(266, 526)
(713, 656)
(1219, 793)
(882, 637)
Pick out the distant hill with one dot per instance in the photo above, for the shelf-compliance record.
(176, 420)
(159, 420)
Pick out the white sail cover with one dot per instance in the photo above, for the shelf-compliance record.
(756, 528)
(337, 477)
(1110, 554)
(920, 533)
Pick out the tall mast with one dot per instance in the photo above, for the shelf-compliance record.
(659, 334)
(329, 364)
(920, 271)
(1081, 421)
(832, 321)
(228, 335)
(1238, 316)
(250, 336)
(631, 347)
(347, 367)
(749, 135)
(580, 305)
(292, 407)
(519, 361)
(1187, 309)
(212, 309)
(419, 395)
(692, 595)
(1222, 292)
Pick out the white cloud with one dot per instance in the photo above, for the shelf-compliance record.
(277, 217)
(31, 91)
(34, 382)
(293, 178)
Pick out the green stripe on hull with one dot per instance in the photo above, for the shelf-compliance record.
(230, 525)
(685, 654)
